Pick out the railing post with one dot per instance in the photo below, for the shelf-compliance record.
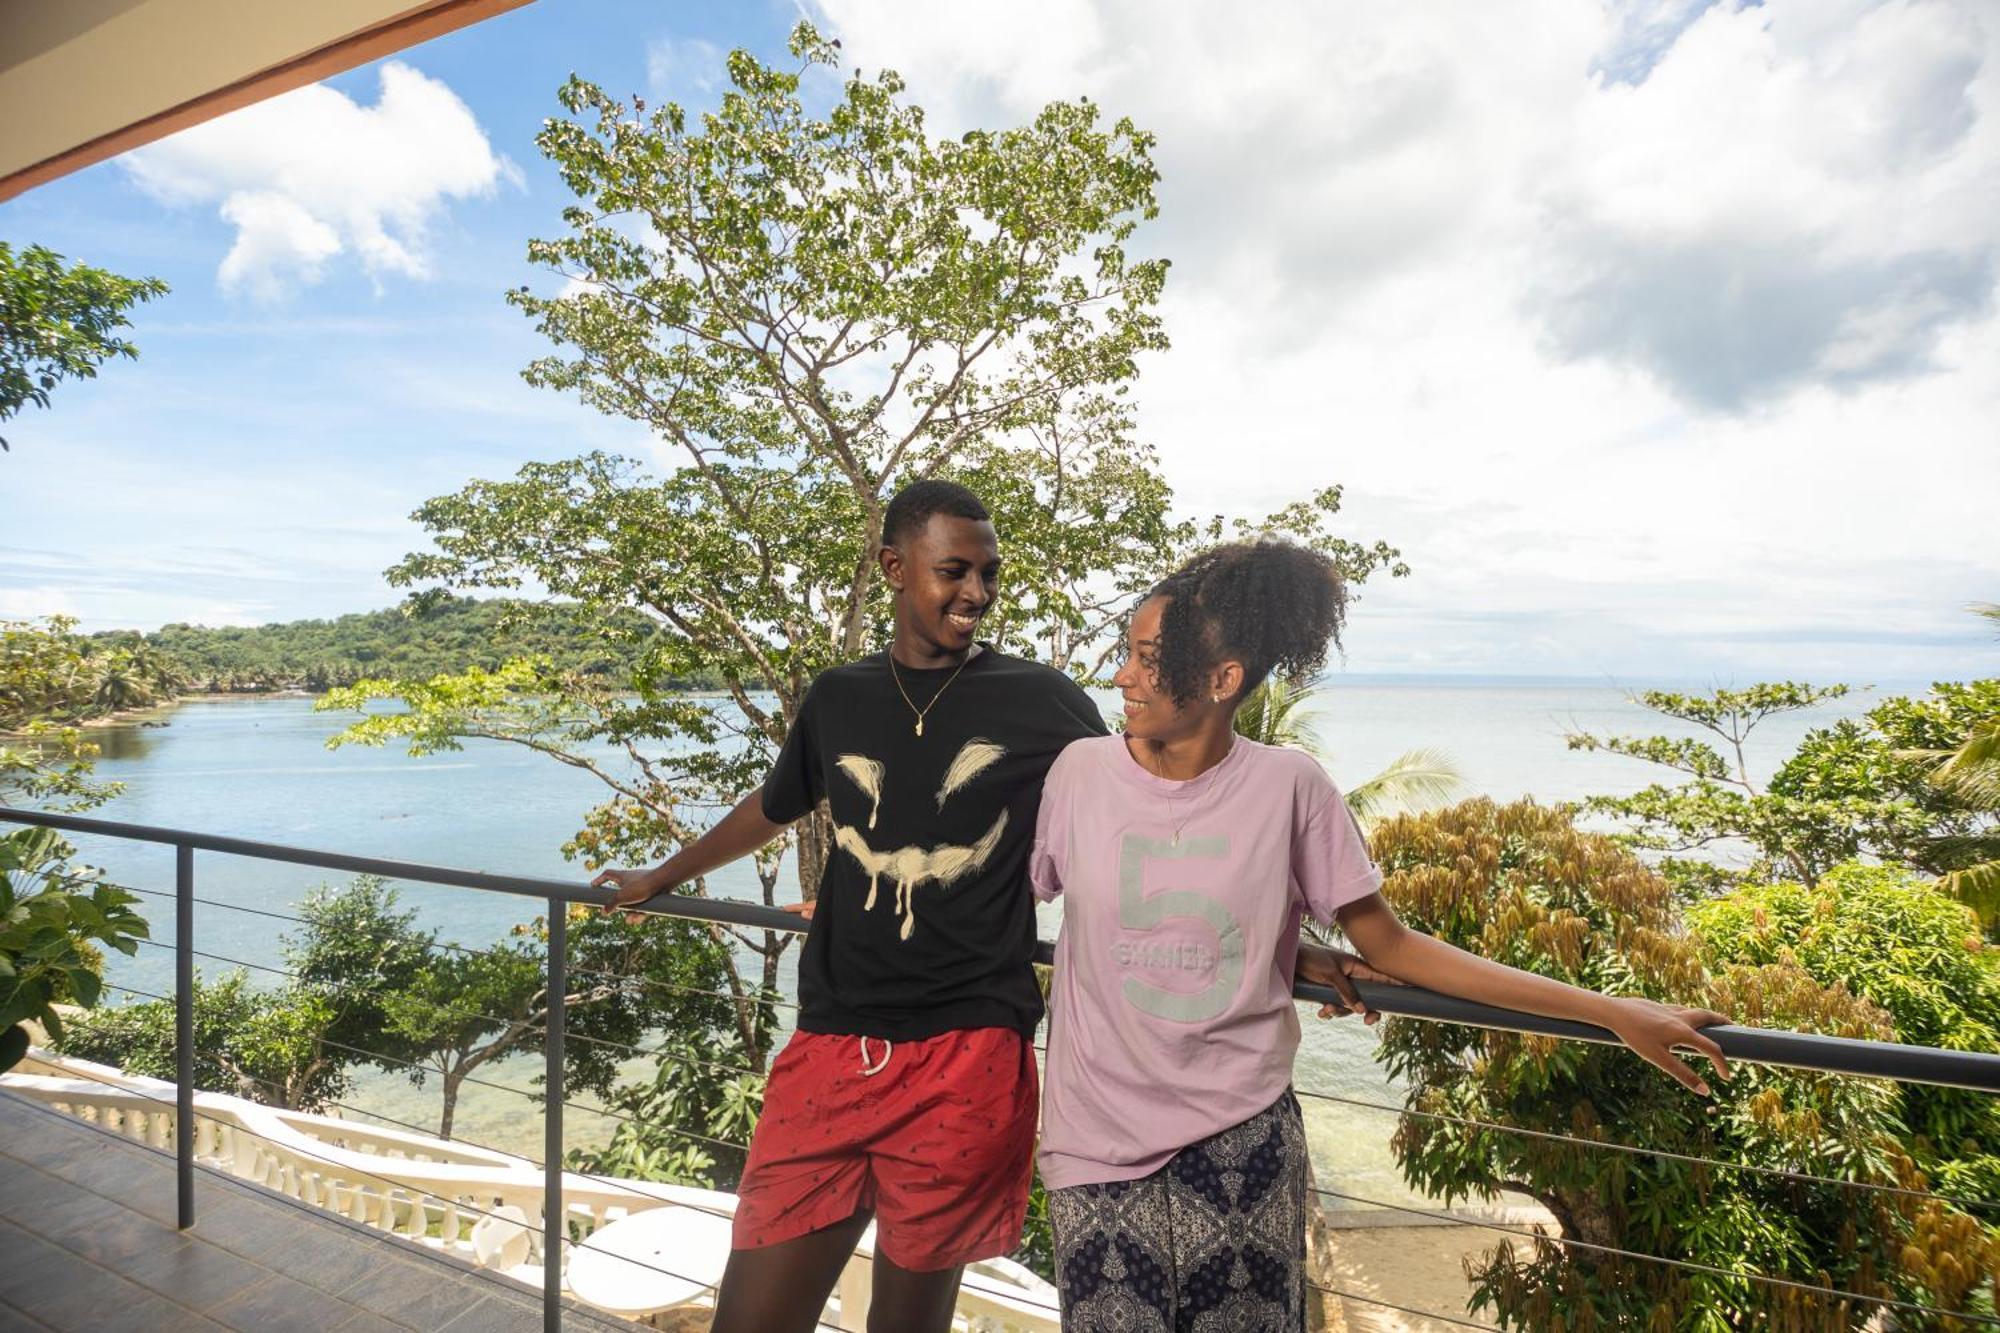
(184, 1032)
(555, 1230)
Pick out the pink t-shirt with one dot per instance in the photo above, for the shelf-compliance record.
(1171, 1017)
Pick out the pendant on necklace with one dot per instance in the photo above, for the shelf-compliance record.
(920, 726)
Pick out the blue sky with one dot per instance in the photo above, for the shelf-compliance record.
(1660, 336)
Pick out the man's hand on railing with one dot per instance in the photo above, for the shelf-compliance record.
(634, 888)
(804, 910)
(1340, 969)
(1653, 1030)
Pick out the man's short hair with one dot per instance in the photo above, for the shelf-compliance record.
(911, 508)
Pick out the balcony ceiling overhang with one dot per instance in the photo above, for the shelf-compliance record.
(84, 80)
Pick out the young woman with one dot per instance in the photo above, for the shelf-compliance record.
(1172, 1146)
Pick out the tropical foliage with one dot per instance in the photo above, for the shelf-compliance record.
(367, 985)
(54, 915)
(1276, 713)
(263, 1045)
(1520, 884)
(424, 637)
(1857, 787)
(1894, 939)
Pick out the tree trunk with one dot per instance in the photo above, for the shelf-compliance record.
(452, 1079)
(815, 843)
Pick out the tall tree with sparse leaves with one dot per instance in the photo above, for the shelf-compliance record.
(807, 311)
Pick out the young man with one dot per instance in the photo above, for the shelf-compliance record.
(909, 1091)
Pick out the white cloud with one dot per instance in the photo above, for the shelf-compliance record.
(313, 174)
(1659, 336)
(36, 602)
(1783, 200)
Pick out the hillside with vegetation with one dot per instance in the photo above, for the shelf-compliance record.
(414, 642)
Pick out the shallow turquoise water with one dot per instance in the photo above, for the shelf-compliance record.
(259, 769)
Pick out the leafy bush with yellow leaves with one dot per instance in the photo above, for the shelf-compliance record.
(1521, 884)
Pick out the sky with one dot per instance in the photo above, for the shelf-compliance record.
(1661, 337)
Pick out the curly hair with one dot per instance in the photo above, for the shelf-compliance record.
(1268, 604)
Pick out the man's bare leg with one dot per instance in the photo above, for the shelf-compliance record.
(907, 1302)
(782, 1288)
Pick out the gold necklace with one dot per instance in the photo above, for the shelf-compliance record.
(920, 712)
(1173, 806)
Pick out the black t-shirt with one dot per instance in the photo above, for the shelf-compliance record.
(925, 923)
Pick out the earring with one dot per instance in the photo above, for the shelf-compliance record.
(1215, 698)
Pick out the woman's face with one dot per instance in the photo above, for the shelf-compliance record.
(1150, 714)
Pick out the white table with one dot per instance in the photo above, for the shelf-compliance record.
(650, 1261)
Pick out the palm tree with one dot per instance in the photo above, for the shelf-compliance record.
(1275, 713)
(1414, 780)
(1971, 774)
(120, 686)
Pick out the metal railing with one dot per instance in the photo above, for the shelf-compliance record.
(1878, 1059)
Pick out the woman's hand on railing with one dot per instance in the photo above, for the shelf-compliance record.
(1340, 969)
(1654, 1030)
(634, 887)
(804, 910)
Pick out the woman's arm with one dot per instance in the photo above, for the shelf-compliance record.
(1388, 946)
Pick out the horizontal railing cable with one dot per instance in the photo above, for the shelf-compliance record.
(1402, 1309)
(471, 1080)
(497, 1087)
(1846, 1055)
(496, 1019)
(1689, 1265)
(1920, 1064)
(1667, 1154)
(776, 1002)
(1607, 1145)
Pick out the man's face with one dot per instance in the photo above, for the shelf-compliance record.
(950, 574)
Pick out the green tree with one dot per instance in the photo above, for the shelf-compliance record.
(1277, 713)
(467, 1008)
(690, 1123)
(53, 916)
(807, 311)
(1896, 940)
(59, 321)
(1520, 884)
(120, 684)
(263, 1045)
(1856, 787)
(47, 686)
(1970, 776)
(356, 949)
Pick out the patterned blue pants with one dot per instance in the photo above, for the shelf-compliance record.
(1212, 1242)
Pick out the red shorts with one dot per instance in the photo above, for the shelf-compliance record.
(938, 1142)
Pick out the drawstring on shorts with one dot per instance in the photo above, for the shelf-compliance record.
(871, 1070)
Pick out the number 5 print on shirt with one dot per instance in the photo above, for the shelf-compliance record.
(1136, 911)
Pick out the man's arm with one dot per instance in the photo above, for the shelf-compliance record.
(740, 832)
(1651, 1030)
